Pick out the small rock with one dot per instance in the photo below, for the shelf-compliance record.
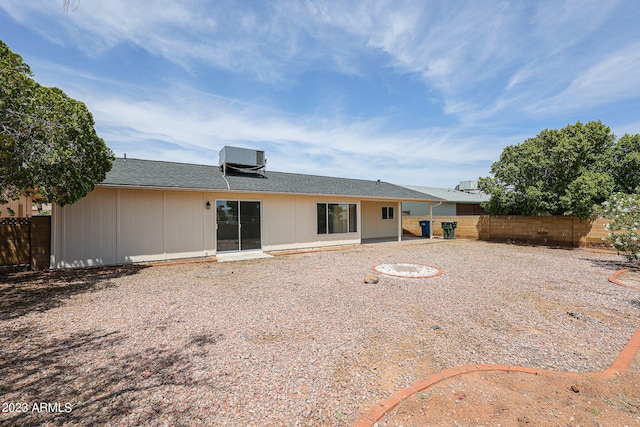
(371, 278)
(575, 388)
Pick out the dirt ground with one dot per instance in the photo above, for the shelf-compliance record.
(302, 340)
(519, 399)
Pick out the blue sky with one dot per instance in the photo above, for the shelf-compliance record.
(410, 92)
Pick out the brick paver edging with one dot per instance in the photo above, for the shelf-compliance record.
(620, 365)
(613, 279)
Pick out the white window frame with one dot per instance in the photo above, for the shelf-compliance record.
(388, 212)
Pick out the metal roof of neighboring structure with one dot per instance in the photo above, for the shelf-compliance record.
(161, 174)
(451, 195)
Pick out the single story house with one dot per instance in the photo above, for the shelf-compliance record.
(454, 202)
(156, 210)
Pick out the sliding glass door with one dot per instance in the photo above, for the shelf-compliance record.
(250, 226)
(239, 225)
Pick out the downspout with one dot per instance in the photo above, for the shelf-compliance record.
(431, 218)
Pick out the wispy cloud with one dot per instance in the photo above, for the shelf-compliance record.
(610, 80)
(209, 123)
(264, 40)
(183, 122)
(455, 46)
(447, 43)
(454, 81)
(561, 25)
(103, 25)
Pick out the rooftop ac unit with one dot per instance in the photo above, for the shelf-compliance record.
(242, 159)
(468, 185)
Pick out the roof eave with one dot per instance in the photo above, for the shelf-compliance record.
(280, 193)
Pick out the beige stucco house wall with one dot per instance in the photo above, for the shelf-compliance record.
(374, 226)
(152, 210)
(120, 226)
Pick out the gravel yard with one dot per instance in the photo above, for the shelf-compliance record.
(296, 339)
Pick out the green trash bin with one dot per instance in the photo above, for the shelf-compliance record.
(449, 229)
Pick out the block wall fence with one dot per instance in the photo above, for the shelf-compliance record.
(549, 230)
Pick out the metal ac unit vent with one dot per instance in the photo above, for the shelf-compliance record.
(468, 185)
(242, 159)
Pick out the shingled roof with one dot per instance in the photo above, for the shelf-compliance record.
(159, 174)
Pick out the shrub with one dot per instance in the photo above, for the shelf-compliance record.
(624, 212)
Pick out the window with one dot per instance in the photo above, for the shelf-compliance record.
(322, 218)
(387, 212)
(337, 218)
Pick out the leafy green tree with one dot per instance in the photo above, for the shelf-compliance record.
(48, 144)
(563, 172)
(625, 165)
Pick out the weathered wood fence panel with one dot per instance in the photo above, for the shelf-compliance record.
(15, 241)
(40, 242)
(25, 242)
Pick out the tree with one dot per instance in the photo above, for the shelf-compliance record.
(48, 144)
(626, 163)
(563, 172)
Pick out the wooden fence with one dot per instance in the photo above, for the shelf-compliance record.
(25, 242)
(546, 230)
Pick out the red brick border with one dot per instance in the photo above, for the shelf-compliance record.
(613, 279)
(620, 365)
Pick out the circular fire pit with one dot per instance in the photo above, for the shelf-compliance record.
(412, 271)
